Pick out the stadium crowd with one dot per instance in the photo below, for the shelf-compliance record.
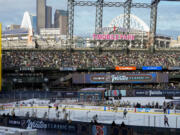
(84, 59)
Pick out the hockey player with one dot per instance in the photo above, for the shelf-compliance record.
(124, 113)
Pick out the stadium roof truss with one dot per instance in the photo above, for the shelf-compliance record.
(126, 21)
(99, 4)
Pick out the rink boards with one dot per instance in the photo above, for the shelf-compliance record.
(96, 108)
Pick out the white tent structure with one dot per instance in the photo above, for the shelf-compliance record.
(27, 23)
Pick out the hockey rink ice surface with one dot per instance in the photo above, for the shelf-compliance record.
(132, 118)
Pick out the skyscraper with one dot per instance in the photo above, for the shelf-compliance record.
(48, 17)
(41, 14)
(61, 21)
(34, 22)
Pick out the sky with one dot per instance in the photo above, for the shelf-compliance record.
(168, 19)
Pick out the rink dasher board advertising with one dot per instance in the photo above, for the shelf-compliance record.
(145, 110)
(99, 130)
(40, 124)
(157, 93)
(100, 78)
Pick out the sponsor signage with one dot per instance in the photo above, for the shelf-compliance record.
(99, 130)
(120, 78)
(113, 37)
(68, 69)
(173, 68)
(143, 109)
(125, 68)
(100, 78)
(116, 29)
(151, 68)
(157, 92)
(177, 111)
(26, 69)
(115, 93)
(31, 79)
(99, 69)
(139, 109)
(113, 78)
(67, 94)
(158, 110)
(41, 124)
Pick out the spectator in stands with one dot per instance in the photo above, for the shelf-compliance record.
(138, 105)
(95, 122)
(113, 123)
(86, 59)
(4, 115)
(123, 124)
(7, 115)
(91, 122)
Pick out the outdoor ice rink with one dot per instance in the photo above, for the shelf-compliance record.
(85, 114)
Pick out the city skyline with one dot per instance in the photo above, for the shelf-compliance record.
(168, 19)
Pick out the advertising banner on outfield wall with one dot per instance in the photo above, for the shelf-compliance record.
(100, 78)
(157, 93)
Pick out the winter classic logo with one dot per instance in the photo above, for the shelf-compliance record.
(36, 124)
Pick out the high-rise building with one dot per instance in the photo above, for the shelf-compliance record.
(34, 23)
(48, 17)
(14, 26)
(41, 14)
(61, 21)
